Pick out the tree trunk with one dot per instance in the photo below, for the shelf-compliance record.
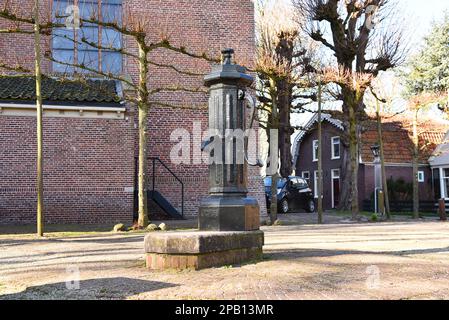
(284, 52)
(320, 159)
(274, 147)
(143, 124)
(382, 161)
(353, 153)
(285, 131)
(415, 166)
(38, 74)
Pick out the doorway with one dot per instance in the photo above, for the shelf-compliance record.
(335, 175)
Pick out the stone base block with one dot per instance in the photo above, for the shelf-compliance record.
(229, 214)
(199, 250)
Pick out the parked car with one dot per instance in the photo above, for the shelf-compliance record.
(292, 194)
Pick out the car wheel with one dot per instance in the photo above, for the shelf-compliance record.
(285, 208)
(310, 206)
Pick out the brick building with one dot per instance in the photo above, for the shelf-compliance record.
(90, 139)
(396, 132)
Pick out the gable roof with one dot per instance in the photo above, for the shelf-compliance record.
(307, 127)
(23, 88)
(440, 156)
(397, 137)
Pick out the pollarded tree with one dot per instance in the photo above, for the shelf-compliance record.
(281, 65)
(347, 30)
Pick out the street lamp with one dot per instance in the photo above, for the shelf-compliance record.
(376, 151)
(378, 192)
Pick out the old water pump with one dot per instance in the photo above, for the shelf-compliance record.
(228, 208)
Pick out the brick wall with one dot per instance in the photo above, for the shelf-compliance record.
(89, 163)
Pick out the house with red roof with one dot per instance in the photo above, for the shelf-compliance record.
(398, 153)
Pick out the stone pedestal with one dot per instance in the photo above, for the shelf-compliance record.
(201, 249)
(229, 214)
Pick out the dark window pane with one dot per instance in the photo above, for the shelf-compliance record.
(63, 39)
(111, 39)
(111, 62)
(87, 35)
(88, 59)
(111, 12)
(436, 183)
(337, 150)
(66, 56)
(88, 9)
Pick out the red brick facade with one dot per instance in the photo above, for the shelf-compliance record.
(90, 163)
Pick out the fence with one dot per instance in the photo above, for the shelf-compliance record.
(407, 206)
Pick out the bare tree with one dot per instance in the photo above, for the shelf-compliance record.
(34, 20)
(281, 66)
(416, 104)
(38, 74)
(345, 28)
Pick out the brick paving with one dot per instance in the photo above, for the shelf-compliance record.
(396, 260)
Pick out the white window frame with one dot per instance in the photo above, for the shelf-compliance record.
(315, 150)
(421, 176)
(315, 184)
(443, 177)
(333, 143)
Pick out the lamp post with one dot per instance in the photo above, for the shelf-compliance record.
(378, 192)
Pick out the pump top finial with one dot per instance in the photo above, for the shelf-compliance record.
(227, 55)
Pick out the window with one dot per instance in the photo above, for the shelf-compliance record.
(315, 150)
(445, 180)
(421, 177)
(306, 176)
(335, 143)
(299, 183)
(293, 183)
(315, 184)
(70, 44)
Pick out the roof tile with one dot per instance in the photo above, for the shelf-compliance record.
(23, 88)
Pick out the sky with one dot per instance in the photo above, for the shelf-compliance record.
(421, 13)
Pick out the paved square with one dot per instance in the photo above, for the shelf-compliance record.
(397, 260)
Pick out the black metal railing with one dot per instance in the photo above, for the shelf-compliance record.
(405, 206)
(156, 161)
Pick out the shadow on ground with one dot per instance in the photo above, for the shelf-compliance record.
(292, 254)
(106, 288)
(102, 239)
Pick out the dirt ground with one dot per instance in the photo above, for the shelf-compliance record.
(394, 260)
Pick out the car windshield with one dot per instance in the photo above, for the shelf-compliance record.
(281, 182)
